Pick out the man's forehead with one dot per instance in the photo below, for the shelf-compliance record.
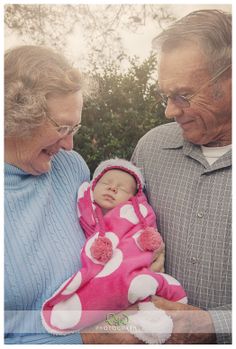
(188, 56)
(180, 68)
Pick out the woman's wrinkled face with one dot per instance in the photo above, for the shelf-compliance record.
(34, 154)
(113, 188)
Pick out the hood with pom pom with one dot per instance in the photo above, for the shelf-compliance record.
(119, 164)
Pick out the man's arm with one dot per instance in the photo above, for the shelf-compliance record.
(222, 319)
(192, 325)
(102, 333)
(109, 338)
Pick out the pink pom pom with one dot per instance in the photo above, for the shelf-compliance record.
(101, 249)
(150, 239)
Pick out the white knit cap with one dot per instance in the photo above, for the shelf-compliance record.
(118, 164)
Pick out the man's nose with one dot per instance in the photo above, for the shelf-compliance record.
(66, 142)
(172, 110)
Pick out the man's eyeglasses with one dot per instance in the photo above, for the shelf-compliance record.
(64, 130)
(183, 101)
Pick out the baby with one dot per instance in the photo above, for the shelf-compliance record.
(113, 188)
(121, 232)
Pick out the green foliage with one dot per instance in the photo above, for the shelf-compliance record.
(122, 111)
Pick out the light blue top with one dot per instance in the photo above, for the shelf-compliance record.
(43, 241)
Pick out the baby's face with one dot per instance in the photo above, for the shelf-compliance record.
(114, 187)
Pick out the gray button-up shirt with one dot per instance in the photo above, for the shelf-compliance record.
(192, 201)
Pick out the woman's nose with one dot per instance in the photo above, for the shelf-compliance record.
(67, 143)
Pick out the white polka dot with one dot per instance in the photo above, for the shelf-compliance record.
(183, 300)
(73, 285)
(113, 237)
(170, 279)
(141, 287)
(87, 249)
(112, 265)
(143, 210)
(127, 212)
(66, 314)
(136, 236)
(82, 190)
(62, 286)
(153, 324)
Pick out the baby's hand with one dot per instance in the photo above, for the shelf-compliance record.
(158, 260)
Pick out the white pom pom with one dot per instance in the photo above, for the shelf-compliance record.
(150, 324)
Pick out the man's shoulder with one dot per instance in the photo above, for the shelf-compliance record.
(171, 128)
(165, 135)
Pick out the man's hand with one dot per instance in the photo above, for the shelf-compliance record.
(102, 333)
(109, 338)
(192, 325)
(158, 260)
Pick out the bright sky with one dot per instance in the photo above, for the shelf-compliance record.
(138, 44)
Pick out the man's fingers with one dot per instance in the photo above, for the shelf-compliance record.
(164, 304)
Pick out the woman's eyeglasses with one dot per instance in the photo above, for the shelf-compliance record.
(183, 101)
(64, 130)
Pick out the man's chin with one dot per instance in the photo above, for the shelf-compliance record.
(191, 138)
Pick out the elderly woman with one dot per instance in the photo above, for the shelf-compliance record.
(43, 238)
(43, 104)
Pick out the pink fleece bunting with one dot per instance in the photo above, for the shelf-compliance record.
(99, 288)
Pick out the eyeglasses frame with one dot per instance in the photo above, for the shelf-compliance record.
(71, 129)
(164, 99)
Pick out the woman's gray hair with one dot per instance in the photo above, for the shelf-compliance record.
(212, 29)
(32, 75)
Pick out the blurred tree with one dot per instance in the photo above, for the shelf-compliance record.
(123, 110)
(100, 25)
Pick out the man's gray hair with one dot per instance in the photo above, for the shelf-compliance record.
(212, 29)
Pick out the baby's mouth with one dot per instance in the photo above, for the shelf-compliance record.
(108, 197)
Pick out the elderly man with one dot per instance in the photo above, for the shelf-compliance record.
(187, 168)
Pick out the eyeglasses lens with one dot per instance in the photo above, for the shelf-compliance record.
(181, 101)
(67, 130)
(178, 100)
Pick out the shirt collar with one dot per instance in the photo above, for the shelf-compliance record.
(194, 151)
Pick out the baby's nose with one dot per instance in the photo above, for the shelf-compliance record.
(113, 188)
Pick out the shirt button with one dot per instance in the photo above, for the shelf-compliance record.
(200, 214)
(194, 260)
